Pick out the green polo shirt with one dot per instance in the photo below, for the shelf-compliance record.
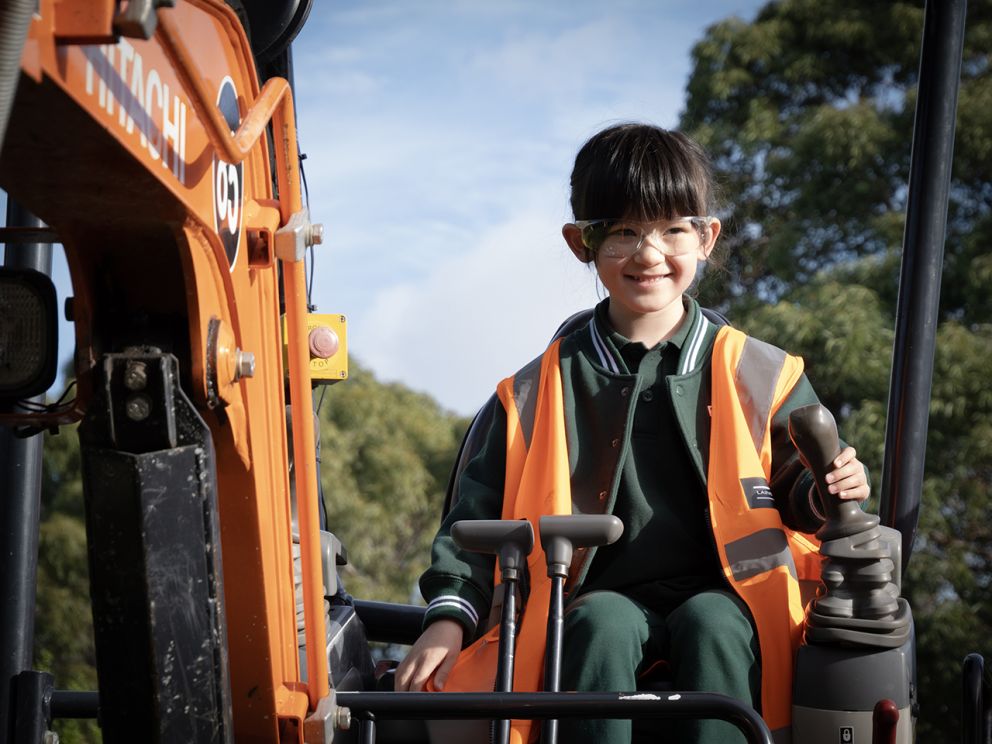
(666, 552)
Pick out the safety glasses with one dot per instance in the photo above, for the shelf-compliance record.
(619, 238)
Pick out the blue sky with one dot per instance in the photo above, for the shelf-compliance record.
(440, 136)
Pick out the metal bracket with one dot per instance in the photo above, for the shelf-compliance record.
(298, 234)
(140, 387)
(138, 20)
(319, 726)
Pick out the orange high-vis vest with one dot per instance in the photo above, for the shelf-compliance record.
(762, 560)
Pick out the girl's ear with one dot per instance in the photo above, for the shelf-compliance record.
(573, 236)
(712, 232)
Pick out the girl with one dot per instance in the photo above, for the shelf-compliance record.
(676, 425)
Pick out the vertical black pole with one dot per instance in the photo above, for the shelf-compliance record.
(972, 707)
(20, 508)
(552, 661)
(507, 648)
(922, 263)
(366, 731)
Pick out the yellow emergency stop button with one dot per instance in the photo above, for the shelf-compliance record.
(327, 340)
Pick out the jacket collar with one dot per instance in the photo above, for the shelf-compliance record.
(689, 338)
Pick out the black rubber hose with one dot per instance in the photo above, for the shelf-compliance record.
(15, 16)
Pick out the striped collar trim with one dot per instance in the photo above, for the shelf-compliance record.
(691, 350)
(602, 350)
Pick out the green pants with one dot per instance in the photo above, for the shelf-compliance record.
(708, 641)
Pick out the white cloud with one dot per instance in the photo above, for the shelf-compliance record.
(476, 317)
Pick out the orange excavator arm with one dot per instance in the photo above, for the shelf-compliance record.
(149, 158)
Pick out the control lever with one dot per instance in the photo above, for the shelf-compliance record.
(814, 432)
(560, 535)
(859, 601)
(511, 541)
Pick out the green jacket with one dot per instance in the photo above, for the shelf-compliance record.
(599, 404)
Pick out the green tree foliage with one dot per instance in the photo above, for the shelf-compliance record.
(808, 113)
(64, 623)
(386, 455)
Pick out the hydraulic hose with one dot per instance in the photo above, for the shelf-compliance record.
(15, 17)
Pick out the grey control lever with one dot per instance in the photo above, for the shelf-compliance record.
(859, 602)
(814, 432)
(511, 541)
(560, 535)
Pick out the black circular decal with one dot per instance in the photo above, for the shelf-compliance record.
(228, 179)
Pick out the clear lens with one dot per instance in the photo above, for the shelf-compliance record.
(622, 239)
(594, 233)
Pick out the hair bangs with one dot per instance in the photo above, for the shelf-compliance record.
(642, 172)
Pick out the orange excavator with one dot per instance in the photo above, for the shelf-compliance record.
(156, 141)
(144, 138)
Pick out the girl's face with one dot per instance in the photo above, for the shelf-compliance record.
(647, 284)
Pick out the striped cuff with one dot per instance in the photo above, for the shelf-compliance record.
(454, 607)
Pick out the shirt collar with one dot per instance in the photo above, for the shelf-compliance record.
(611, 342)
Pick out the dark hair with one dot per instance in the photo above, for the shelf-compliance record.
(643, 172)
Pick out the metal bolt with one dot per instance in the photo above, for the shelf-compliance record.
(342, 718)
(138, 407)
(244, 364)
(136, 376)
(315, 235)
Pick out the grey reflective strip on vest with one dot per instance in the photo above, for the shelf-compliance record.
(525, 387)
(757, 374)
(759, 552)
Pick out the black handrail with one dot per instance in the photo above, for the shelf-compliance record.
(976, 710)
(74, 704)
(922, 262)
(530, 705)
(547, 705)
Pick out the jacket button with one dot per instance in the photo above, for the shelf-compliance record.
(602, 495)
(625, 391)
(615, 443)
(648, 395)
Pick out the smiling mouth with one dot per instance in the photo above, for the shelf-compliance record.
(647, 280)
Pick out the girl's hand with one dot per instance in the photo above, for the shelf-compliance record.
(434, 653)
(847, 480)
